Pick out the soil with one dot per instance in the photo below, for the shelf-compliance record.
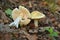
(28, 32)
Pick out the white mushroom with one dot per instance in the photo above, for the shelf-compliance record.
(16, 22)
(20, 16)
(25, 12)
(37, 15)
(26, 15)
(16, 17)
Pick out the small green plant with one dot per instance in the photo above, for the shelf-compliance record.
(52, 33)
(8, 12)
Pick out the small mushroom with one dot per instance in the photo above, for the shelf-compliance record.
(25, 12)
(20, 16)
(16, 17)
(26, 15)
(37, 15)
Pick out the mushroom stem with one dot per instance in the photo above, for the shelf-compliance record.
(16, 22)
(36, 23)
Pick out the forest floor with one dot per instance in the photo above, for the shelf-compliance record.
(29, 32)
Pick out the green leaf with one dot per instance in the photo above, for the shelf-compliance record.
(51, 35)
(8, 11)
(55, 34)
(50, 30)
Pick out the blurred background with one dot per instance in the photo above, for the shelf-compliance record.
(51, 9)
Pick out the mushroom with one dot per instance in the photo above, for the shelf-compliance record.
(26, 15)
(25, 12)
(36, 15)
(20, 16)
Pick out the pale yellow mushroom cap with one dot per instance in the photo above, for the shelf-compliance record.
(25, 22)
(23, 12)
(15, 13)
(37, 15)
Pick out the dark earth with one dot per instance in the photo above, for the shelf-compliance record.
(29, 32)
